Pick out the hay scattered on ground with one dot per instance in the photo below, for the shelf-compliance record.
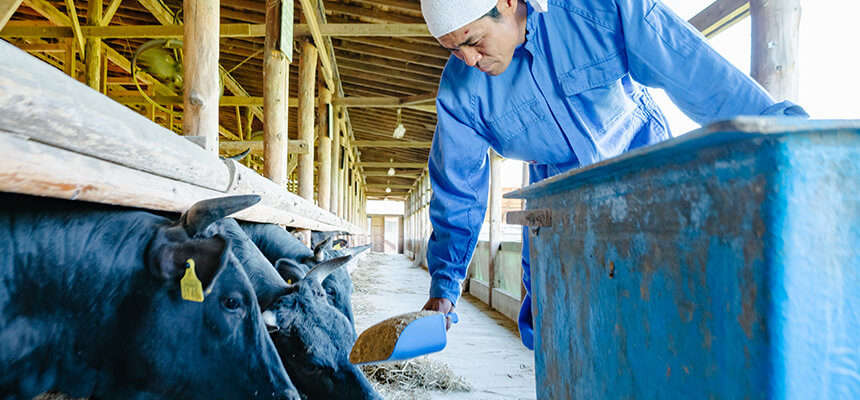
(414, 378)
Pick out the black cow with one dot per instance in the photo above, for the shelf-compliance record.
(91, 305)
(293, 259)
(314, 339)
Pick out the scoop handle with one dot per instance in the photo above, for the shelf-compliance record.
(454, 318)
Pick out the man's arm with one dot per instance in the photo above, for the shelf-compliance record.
(665, 51)
(459, 174)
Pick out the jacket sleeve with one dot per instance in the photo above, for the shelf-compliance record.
(665, 51)
(459, 175)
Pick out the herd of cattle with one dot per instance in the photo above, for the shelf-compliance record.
(93, 304)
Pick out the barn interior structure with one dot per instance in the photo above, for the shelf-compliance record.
(144, 103)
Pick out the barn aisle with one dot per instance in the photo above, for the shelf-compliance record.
(483, 348)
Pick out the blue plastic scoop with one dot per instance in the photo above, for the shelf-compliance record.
(402, 337)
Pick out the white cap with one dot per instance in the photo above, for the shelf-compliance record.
(446, 16)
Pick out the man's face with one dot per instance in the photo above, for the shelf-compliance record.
(487, 43)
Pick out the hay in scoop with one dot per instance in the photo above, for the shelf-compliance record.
(412, 379)
(377, 342)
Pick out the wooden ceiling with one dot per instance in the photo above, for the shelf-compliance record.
(377, 73)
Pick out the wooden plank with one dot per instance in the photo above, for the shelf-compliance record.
(7, 9)
(40, 102)
(719, 16)
(256, 146)
(202, 84)
(276, 82)
(43, 170)
(392, 144)
(775, 43)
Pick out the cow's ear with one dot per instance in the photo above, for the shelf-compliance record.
(204, 255)
(290, 270)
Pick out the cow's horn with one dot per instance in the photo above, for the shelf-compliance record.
(320, 271)
(319, 253)
(204, 213)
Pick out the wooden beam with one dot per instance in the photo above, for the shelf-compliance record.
(392, 144)
(76, 26)
(307, 86)
(256, 147)
(276, 82)
(51, 13)
(719, 16)
(312, 17)
(227, 30)
(366, 164)
(775, 43)
(384, 30)
(110, 11)
(7, 9)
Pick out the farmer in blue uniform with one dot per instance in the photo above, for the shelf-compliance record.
(559, 84)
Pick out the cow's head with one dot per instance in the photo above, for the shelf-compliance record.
(215, 348)
(314, 339)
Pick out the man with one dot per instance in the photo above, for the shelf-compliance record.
(558, 84)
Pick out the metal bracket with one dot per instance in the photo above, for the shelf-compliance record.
(530, 218)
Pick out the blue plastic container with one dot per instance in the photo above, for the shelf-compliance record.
(724, 264)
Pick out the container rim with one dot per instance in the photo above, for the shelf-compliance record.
(736, 129)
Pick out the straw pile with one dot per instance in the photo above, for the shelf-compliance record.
(413, 379)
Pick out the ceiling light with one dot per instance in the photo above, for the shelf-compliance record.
(391, 171)
(400, 130)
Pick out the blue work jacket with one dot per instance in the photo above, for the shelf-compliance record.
(573, 95)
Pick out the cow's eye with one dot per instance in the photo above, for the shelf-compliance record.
(231, 303)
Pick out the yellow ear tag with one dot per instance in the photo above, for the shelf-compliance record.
(192, 289)
(289, 281)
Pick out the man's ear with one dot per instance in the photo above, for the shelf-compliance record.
(204, 254)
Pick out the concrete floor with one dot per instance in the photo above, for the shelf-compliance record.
(483, 347)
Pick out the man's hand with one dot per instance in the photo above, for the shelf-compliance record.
(441, 305)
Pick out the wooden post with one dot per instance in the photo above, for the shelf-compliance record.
(202, 84)
(275, 98)
(307, 82)
(495, 211)
(335, 163)
(325, 131)
(93, 46)
(775, 43)
(70, 59)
